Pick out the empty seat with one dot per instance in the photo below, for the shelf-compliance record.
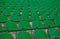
(32, 8)
(40, 34)
(54, 33)
(16, 12)
(40, 10)
(7, 12)
(10, 26)
(56, 11)
(23, 35)
(52, 16)
(24, 25)
(25, 16)
(57, 22)
(44, 16)
(17, 8)
(14, 18)
(35, 16)
(37, 24)
(48, 23)
(6, 35)
(3, 18)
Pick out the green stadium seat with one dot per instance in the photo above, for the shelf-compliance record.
(35, 16)
(16, 12)
(54, 33)
(44, 17)
(39, 9)
(3, 18)
(14, 18)
(37, 24)
(23, 35)
(52, 16)
(32, 10)
(57, 22)
(17, 8)
(6, 35)
(7, 12)
(40, 34)
(48, 23)
(24, 25)
(25, 15)
(11, 26)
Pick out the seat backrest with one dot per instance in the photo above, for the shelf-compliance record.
(23, 35)
(6, 35)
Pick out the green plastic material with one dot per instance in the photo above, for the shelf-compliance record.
(25, 16)
(40, 34)
(57, 22)
(44, 17)
(37, 24)
(52, 16)
(0, 27)
(24, 25)
(10, 26)
(14, 18)
(16, 12)
(48, 23)
(7, 12)
(54, 33)
(23, 35)
(6, 35)
(35, 16)
(3, 18)
(25, 11)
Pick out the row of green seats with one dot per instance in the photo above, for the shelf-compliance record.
(25, 25)
(7, 4)
(54, 9)
(38, 34)
(7, 10)
(43, 16)
(42, 7)
(27, 18)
